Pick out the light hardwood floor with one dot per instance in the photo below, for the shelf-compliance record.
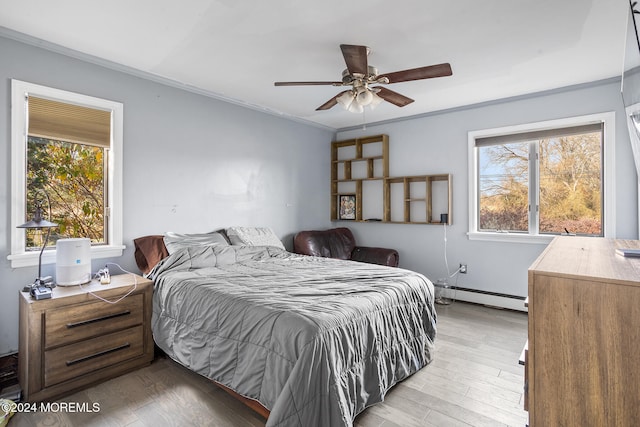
(474, 380)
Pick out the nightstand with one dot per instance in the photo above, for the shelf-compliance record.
(75, 340)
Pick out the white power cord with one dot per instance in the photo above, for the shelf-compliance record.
(105, 277)
(446, 261)
(443, 283)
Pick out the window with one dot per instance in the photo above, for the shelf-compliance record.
(67, 155)
(535, 181)
(70, 146)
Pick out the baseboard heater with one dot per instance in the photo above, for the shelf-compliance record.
(496, 299)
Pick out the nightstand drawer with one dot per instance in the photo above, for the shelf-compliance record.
(71, 324)
(72, 360)
(74, 339)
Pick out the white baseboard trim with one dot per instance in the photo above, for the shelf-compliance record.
(491, 300)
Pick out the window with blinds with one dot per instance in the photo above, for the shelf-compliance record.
(67, 157)
(545, 181)
(69, 145)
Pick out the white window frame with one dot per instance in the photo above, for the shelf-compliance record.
(608, 121)
(634, 110)
(19, 256)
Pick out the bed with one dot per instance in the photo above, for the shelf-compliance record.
(313, 340)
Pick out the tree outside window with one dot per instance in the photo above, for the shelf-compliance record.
(74, 176)
(555, 181)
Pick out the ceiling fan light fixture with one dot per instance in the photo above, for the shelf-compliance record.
(356, 99)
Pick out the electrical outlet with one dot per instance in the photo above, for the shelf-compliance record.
(463, 268)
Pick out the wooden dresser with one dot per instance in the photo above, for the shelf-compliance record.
(74, 339)
(583, 359)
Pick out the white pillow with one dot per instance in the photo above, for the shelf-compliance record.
(253, 236)
(175, 241)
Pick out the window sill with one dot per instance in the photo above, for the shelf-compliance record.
(27, 259)
(540, 239)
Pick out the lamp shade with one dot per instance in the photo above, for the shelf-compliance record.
(38, 221)
(355, 107)
(346, 99)
(375, 101)
(364, 97)
(43, 223)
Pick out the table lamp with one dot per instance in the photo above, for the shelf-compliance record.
(38, 223)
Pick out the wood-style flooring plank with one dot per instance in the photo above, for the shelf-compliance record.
(474, 380)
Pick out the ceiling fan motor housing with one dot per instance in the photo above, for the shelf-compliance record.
(371, 77)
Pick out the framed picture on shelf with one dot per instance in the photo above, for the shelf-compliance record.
(347, 206)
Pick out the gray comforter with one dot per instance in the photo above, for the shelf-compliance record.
(314, 340)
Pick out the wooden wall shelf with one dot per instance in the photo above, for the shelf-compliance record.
(428, 190)
(374, 151)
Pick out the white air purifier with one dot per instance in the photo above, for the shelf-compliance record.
(73, 261)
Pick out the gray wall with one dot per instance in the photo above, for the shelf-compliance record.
(438, 144)
(191, 163)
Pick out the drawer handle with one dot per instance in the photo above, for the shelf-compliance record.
(98, 319)
(101, 353)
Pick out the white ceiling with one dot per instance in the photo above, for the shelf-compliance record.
(236, 49)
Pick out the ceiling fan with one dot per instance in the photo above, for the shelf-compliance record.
(360, 76)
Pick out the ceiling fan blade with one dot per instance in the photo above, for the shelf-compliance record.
(429, 72)
(393, 97)
(308, 84)
(330, 103)
(356, 58)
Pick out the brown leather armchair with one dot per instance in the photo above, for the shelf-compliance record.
(340, 243)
